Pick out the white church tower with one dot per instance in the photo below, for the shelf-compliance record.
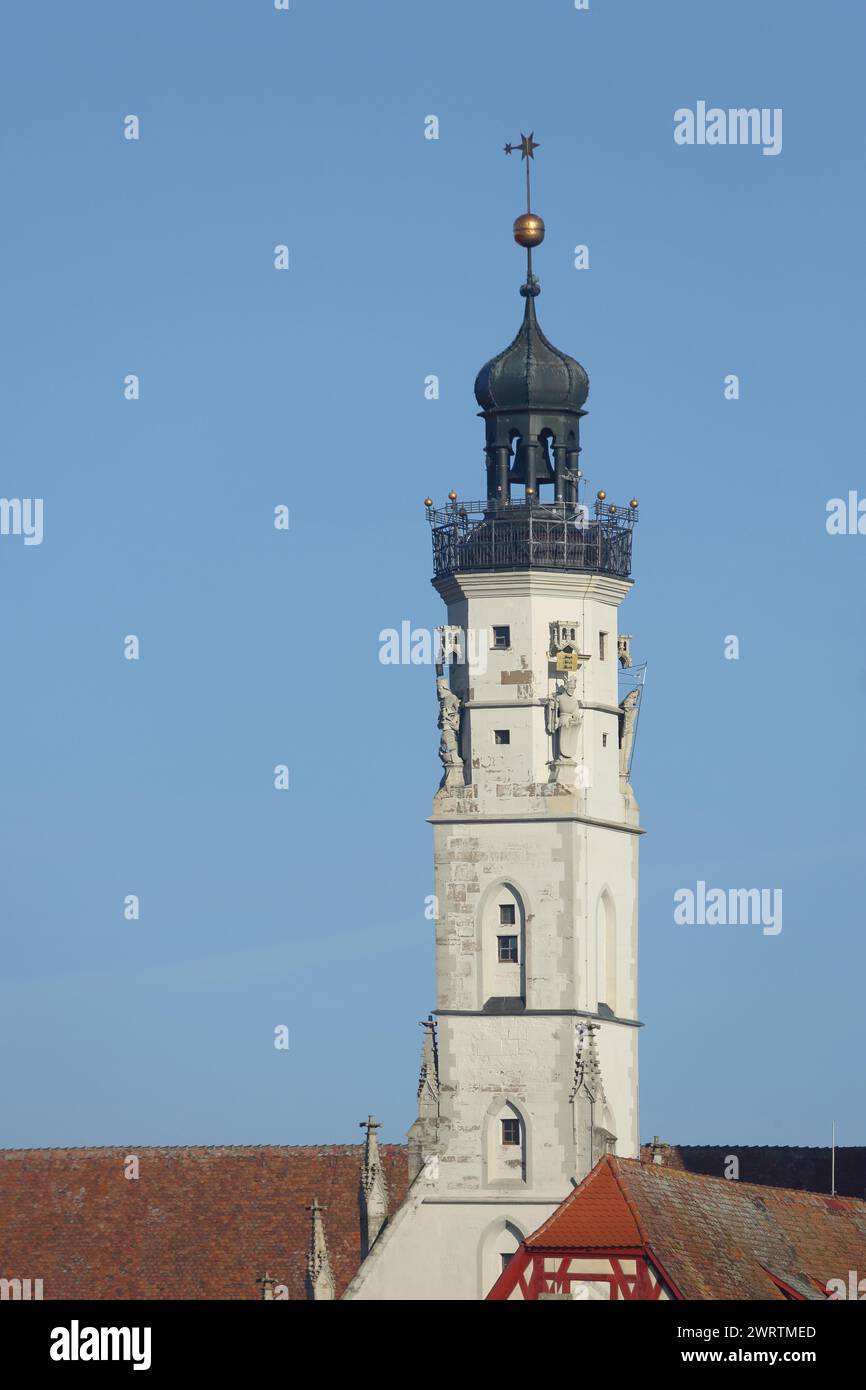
(530, 1064)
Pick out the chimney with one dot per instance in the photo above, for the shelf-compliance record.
(656, 1150)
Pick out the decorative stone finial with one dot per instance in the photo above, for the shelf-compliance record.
(321, 1286)
(593, 1122)
(587, 1067)
(424, 1134)
(428, 1082)
(374, 1189)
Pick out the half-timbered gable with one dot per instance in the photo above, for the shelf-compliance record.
(636, 1230)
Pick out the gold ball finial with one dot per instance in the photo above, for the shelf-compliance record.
(633, 503)
(529, 230)
(601, 494)
(428, 501)
(452, 496)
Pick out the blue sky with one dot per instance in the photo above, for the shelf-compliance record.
(154, 777)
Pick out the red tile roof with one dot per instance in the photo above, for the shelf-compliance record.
(198, 1223)
(596, 1215)
(714, 1238)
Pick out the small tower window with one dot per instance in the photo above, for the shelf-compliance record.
(604, 740)
(502, 735)
(501, 638)
(511, 1133)
(602, 645)
(502, 943)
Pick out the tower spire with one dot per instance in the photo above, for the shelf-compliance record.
(529, 1065)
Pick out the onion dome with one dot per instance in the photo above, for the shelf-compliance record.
(531, 374)
(531, 398)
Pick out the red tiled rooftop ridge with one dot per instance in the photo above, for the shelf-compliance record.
(200, 1221)
(597, 1215)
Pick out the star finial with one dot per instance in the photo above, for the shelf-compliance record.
(528, 146)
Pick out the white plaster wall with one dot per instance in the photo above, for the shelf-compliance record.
(560, 868)
(520, 678)
(527, 1061)
(444, 1250)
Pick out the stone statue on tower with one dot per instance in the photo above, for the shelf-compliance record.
(564, 718)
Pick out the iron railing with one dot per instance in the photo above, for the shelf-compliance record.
(492, 535)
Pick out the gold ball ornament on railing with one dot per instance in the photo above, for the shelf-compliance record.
(601, 494)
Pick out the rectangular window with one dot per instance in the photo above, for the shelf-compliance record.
(511, 1133)
(506, 1259)
(502, 735)
(506, 914)
(501, 638)
(508, 949)
(604, 740)
(602, 645)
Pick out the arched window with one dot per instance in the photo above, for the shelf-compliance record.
(497, 1247)
(505, 1144)
(606, 951)
(503, 946)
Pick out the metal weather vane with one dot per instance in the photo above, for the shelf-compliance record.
(528, 145)
(528, 228)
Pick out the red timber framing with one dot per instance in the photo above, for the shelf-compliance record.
(526, 1273)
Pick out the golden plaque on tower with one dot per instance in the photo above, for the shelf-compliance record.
(567, 661)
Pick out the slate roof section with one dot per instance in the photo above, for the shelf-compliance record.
(795, 1166)
(714, 1238)
(198, 1223)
